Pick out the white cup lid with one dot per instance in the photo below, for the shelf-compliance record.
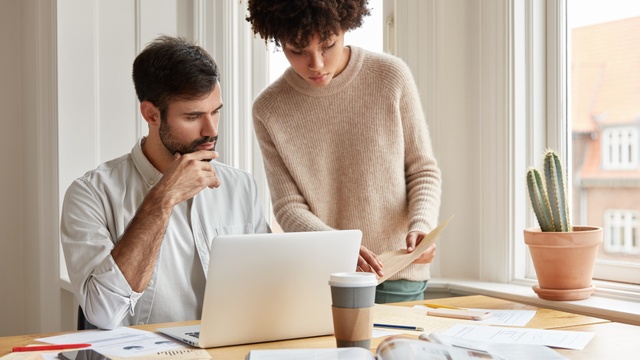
(353, 279)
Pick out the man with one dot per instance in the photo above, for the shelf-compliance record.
(136, 231)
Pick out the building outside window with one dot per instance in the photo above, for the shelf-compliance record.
(605, 115)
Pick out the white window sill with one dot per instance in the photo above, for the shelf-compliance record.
(620, 305)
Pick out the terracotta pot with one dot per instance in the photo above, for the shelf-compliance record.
(564, 261)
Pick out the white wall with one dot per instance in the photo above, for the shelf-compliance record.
(12, 276)
(445, 60)
(468, 58)
(28, 192)
(457, 130)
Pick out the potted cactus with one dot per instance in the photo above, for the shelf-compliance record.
(563, 255)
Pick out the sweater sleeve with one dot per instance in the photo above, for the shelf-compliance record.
(289, 205)
(423, 177)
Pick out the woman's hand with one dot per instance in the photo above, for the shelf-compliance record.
(413, 239)
(369, 262)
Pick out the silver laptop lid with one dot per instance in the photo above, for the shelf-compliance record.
(265, 287)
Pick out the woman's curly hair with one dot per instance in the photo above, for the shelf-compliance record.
(295, 22)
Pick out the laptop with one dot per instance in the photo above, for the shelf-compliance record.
(267, 287)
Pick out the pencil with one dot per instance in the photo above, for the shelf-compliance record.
(49, 347)
(436, 306)
(400, 327)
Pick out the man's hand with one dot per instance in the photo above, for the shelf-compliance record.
(187, 175)
(413, 239)
(140, 243)
(369, 262)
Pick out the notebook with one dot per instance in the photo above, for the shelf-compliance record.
(267, 287)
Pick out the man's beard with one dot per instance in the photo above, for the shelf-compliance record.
(174, 146)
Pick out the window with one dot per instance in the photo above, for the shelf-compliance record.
(620, 148)
(604, 115)
(621, 230)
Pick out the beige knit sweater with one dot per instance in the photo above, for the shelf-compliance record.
(355, 154)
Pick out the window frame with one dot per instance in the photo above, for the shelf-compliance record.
(542, 82)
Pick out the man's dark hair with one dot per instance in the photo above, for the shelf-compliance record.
(172, 68)
(295, 22)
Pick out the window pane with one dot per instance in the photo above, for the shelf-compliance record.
(605, 121)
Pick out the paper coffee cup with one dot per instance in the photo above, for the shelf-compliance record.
(353, 297)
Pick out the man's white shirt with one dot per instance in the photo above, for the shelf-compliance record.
(96, 211)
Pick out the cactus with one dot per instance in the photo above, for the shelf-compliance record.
(548, 197)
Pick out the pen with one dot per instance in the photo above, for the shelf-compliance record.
(436, 306)
(403, 327)
(49, 347)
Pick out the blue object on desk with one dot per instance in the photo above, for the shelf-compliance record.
(399, 327)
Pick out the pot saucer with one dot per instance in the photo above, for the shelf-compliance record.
(564, 295)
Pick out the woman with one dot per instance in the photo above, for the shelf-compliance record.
(344, 139)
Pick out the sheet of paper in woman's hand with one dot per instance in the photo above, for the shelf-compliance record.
(394, 261)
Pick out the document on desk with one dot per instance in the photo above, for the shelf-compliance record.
(417, 316)
(394, 261)
(123, 342)
(576, 340)
(501, 317)
(502, 351)
(507, 317)
(183, 354)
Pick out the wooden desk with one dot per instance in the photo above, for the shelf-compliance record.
(612, 340)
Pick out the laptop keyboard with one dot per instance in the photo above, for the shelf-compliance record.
(195, 334)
